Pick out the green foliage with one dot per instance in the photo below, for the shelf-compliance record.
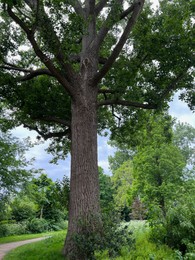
(62, 192)
(36, 225)
(13, 229)
(49, 197)
(110, 236)
(163, 184)
(120, 156)
(184, 138)
(41, 198)
(23, 209)
(143, 248)
(12, 164)
(177, 228)
(106, 192)
(122, 182)
(57, 226)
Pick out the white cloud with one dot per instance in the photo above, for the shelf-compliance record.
(181, 111)
(105, 165)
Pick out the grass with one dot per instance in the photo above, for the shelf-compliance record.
(49, 249)
(9, 239)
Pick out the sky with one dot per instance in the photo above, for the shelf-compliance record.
(178, 109)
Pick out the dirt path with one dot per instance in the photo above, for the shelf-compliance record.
(5, 248)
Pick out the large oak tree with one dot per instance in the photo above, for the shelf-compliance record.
(68, 66)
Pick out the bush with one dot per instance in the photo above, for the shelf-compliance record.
(13, 229)
(108, 236)
(61, 225)
(177, 229)
(38, 225)
(23, 210)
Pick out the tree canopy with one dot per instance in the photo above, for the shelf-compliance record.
(155, 61)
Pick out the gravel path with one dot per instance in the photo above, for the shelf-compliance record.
(5, 248)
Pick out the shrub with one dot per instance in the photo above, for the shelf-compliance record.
(36, 225)
(61, 225)
(13, 229)
(177, 229)
(23, 210)
(108, 236)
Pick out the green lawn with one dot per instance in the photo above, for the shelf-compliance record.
(4, 240)
(49, 249)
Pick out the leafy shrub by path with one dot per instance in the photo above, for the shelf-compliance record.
(109, 236)
(38, 225)
(61, 225)
(13, 229)
(31, 227)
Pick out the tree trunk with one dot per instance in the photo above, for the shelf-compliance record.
(84, 182)
(41, 212)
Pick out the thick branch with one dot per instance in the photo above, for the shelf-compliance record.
(76, 4)
(126, 103)
(53, 42)
(52, 119)
(127, 11)
(35, 73)
(5, 67)
(172, 86)
(31, 73)
(106, 27)
(40, 54)
(46, 136)
(115, 53)
(56, 134)
(100, 6)
(90, 6)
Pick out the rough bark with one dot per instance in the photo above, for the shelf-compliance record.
(84, 183)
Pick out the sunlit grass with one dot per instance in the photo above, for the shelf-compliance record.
(27, 236)
(48, 249)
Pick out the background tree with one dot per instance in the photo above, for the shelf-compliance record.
(106, 192)
(184, 138)
(47, 196)
(81, 58)
(22, 208)
(13, 172)
(122, 180)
